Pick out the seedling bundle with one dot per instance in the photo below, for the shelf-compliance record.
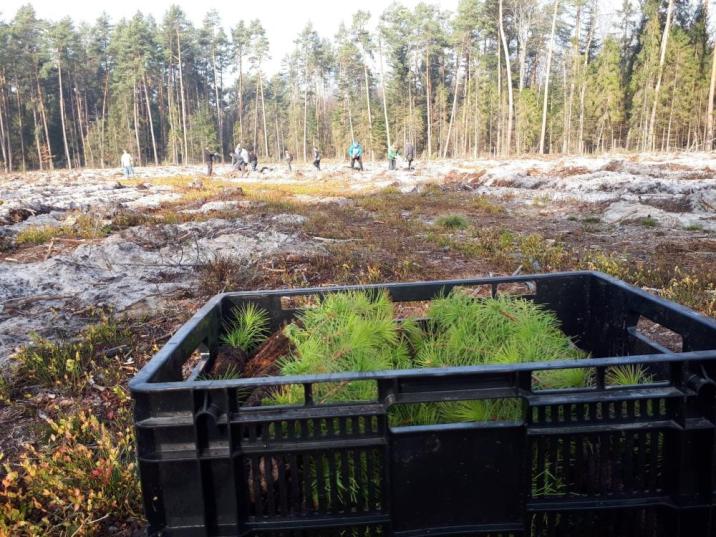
(553, 413)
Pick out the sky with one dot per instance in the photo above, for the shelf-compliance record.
(283, 19)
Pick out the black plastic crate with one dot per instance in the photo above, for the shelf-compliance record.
(605, 460)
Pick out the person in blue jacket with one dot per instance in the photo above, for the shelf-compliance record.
(355, 152)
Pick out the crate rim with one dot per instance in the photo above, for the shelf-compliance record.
(141, 382)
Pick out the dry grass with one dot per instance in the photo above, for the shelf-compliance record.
(224, 273)
(83, 226)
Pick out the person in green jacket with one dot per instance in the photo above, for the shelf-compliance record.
(392, 155)
(355, 152)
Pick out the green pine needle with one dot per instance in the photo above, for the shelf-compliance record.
(248, 329)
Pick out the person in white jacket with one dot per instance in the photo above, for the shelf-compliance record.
(244, 159)
(127, 163)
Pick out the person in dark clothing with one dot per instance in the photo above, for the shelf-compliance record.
(316, 158)
(355, 152)
(253, 160)
(409, 154)
(289, 158)
(209, 157)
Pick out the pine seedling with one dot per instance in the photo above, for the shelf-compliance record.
(560, 379)
(627, 375)
(352, 331)
(249, 328)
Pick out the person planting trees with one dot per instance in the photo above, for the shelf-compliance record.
(253, 160)
(410, 154)
(355, 152)
(392, 155)
(127, 163)
(209, 157)
(236, 159)
(244, 159)
(316, 158)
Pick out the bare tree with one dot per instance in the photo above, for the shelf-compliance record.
(546, 83)
(662, 59)
(524, 12)
(709, 143)
(510, 98)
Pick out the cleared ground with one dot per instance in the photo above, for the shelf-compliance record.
(139, 256)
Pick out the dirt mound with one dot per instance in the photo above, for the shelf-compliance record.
(613, 166)
(472, 178)
(569, 171)
(681, 204)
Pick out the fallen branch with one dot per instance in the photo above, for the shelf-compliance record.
(35, 298)
(326, 239)
(49, 249)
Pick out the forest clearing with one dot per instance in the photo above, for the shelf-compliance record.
(99, 270)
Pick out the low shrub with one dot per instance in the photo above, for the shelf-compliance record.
(70, 364)
(225, 273)
(453, 221)
(77, 482)
(83, 227)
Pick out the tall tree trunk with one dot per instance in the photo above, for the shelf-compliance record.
(241, 99)
(263, 114)
(382, 84)
(183, 101)
(370, 114)
(350, 117)
(427, 101)
(567, 137)
(219, 114)
(510, 99)
(662, 59)
(305, 120)
(465, 107)
(7, 165)
(43, 115)
(62, 115)
(171, 116)
(135, 116)
(256, 117)
(88, 141)
(500, 112)
(80, 128)
(454, 103)
(151, 121)
(709, 142)
(477, 117)
(20, 125)
(278, 135)
(521, 83)
(103, 119)
(36, 133)
(583, 90)
(546, 83)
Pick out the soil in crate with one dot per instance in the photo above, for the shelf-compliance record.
(233, 362)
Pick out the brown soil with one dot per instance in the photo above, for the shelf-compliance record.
(229, 361)
(264, 362)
